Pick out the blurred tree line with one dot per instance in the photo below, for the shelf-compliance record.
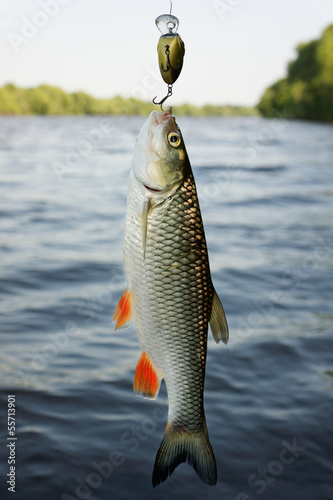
(48, 100)
(307, 91)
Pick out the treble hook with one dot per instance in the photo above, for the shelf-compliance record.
(164, 98)
(167, 53)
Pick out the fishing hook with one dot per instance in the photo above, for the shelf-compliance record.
(167, 53)
(164, 98)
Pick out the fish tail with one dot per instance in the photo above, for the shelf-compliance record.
(179, 446)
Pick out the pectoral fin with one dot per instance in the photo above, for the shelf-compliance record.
(218, 321)
(144, 224)
(123, 313)
(146, 380)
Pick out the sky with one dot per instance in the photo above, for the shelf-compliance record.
(234, 48)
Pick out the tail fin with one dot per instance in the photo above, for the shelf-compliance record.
(177, 447)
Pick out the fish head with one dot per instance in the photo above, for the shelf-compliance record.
(160, 160)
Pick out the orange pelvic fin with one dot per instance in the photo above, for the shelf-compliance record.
(146, 381)
(123, 313)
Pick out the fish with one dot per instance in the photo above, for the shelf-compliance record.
(170, 296)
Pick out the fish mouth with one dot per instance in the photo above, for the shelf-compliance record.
(161, 117)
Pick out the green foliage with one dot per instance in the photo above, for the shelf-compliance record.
(325, 57)
(307, 91)
(8, 104)
(213, 110)
(305, 66)
(48, 100)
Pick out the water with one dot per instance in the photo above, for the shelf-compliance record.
(266, 195)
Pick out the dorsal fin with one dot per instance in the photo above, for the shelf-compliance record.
(218, 321)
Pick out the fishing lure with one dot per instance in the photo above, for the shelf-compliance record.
(170, 50)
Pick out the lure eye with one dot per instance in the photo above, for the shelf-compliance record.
(174, 139)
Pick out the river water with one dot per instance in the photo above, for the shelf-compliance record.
(266, 191)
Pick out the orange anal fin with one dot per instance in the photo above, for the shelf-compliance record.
(123, 313)
(146, 380)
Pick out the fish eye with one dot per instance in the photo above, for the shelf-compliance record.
(174, 139)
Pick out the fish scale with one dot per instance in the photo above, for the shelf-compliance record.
(183, 265)
(170, 294)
